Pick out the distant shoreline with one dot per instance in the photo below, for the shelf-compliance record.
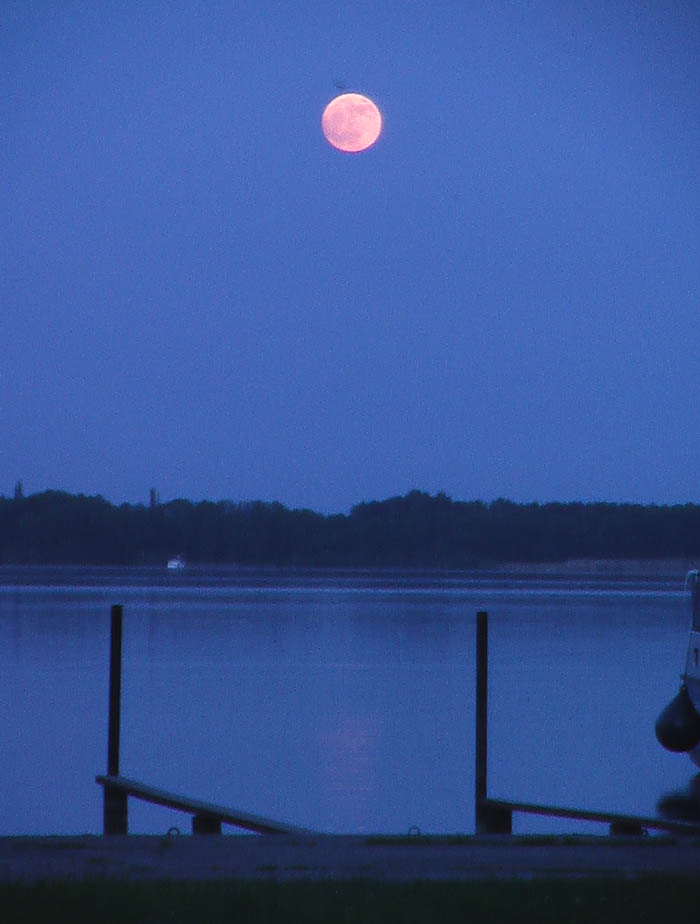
(656, 567)
(417, 531)
(661, 568)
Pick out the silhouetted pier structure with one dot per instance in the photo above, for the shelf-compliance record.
(492, 815)
(207, 817)
(495, 816)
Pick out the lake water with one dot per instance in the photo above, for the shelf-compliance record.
(342, 701)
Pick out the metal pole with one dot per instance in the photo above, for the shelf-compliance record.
(482, 654)
(115, 800)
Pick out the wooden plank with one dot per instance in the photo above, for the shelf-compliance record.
(197, 807)
(586, 815)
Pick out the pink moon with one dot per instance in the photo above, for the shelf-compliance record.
(351, 122)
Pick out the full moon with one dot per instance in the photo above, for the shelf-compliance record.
(351, 122)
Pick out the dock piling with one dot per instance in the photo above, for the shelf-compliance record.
(488, 819)
(482, 654)
(115, 801)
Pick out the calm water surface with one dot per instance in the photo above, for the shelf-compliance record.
(338, 701)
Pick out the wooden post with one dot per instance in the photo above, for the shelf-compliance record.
(115, 690)
(115, 800)
(482, 655)
(488, 819)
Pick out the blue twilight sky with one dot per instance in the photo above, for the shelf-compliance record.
(501, 298)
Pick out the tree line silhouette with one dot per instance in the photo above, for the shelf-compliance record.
(416, 530)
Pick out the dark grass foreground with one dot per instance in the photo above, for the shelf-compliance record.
(601, 900)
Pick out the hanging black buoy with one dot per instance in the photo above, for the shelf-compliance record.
(678, 726)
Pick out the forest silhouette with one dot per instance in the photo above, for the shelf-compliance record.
(417, 530)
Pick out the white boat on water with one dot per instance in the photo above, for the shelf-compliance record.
(678, 726)
(176, 564)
